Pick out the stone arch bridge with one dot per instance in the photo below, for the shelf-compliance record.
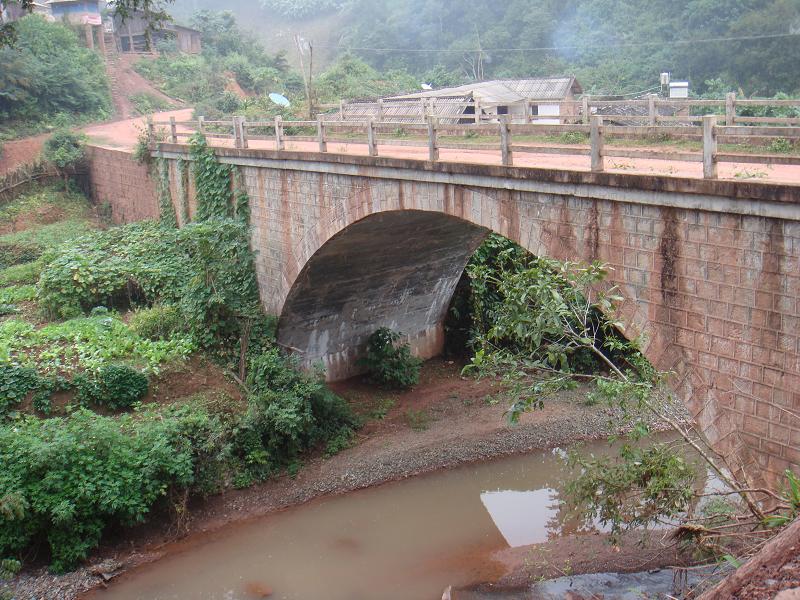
(710, 269)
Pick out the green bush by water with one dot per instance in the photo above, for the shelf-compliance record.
(389, 362)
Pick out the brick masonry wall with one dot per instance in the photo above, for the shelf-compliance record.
(115, 178)
(715, 296)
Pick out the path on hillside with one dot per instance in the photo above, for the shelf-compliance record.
(124, 134)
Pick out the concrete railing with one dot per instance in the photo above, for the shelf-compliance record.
(590, 140)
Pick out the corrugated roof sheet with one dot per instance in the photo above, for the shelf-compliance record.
(505, 91)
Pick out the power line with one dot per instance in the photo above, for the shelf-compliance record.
(744, 38)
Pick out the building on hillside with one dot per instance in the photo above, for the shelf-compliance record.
(13, 12)
(519, 100)
(135, 34)
(77, 12)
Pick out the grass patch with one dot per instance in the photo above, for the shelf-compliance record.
(418, 420)
(85, 344)
(146, 103)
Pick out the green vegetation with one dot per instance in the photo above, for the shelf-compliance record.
(298, 9)
(49, 79)
(146, 103)
(134, 300)
(388, 362)
(228, 53)
(612, 46)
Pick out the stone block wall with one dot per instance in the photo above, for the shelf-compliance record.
(117, 179)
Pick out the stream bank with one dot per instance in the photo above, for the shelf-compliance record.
(444, 422)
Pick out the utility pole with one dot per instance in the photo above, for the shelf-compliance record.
(306, 77)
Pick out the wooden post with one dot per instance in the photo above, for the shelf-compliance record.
(596, 137)
(173, 130)
(709, 147)
(201, 124)
(652, 115)
(585, 110)
(373, 146)
(730, 109)
(433, 146)
(279, 145)
(505, 142)
(323, 145)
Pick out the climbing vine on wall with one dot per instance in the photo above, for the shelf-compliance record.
(241, 202)
(166, 207)
(183, 180)
(212, 179)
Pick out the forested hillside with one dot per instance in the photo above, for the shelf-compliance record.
(613, 46)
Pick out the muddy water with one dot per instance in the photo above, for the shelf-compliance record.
(406, 540)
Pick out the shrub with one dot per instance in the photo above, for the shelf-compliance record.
(160, 322)
(65, 149)
(288, 412)
(780, 146)
(390, 363)
(15, 385)
(113, 386)
(64, 480)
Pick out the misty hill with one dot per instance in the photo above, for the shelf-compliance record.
(613, 46)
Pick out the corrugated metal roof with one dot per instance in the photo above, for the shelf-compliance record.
(505, 91)
(406, 110)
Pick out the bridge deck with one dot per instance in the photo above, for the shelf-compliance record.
(124, 134)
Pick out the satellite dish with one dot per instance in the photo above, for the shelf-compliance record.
(279, 99)
(427, 87)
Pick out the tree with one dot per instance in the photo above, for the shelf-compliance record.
(544, 313)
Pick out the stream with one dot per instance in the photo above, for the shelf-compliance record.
(403, 540)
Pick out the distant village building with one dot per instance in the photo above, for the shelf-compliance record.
(136, 35)
(78, 12)
(13, 12)
(519, 100)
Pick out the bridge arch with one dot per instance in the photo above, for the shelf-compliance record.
(710, 270)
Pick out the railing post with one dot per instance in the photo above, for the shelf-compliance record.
(433, 146)
(323, 145)
(709, 147)
(237, 140)
(422, 108)
(151, 130)
(585, 110)
(201, 124)
(730, 109)
(279, 133)
(243, 132)
(173, 130)
(652, 115)
(380, 110)
(596, 138)
(505, 142)
(371, 142)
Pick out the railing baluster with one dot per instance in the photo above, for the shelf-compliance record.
(710, 147)
(597, 141)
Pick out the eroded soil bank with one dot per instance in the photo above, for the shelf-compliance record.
(445, 421)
